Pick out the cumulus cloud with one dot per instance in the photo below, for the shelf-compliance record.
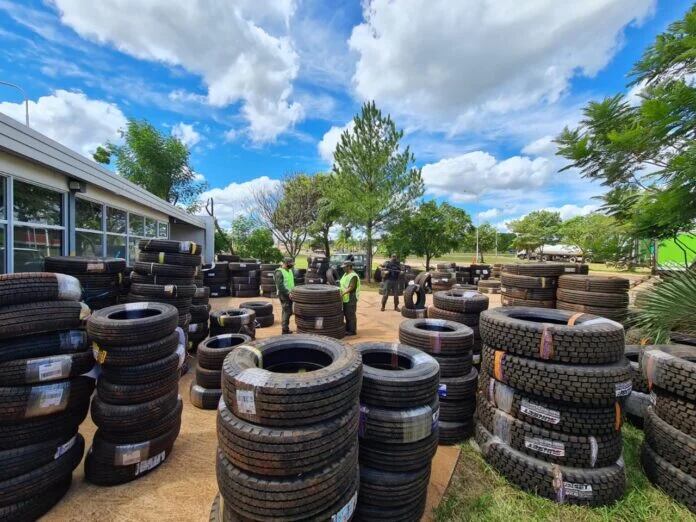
(471, 58)
(241, 49)
(236, 199)
(186, 133)
(72, 119)
(327, 145)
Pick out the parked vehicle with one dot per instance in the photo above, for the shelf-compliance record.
(358, 263)
(555, 253)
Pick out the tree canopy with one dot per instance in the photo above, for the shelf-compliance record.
(596, 234)
(251, 240)
(535, 229)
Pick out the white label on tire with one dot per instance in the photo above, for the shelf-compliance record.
(51, 397)
(60, 450)
(51, 371)
(346, 512)
(319, 323)
(539, 412)
(95, 267)
(150, 463)
(130, 457)
(546, 446)
(442, 390)
(242, 265)
(623, 388)
(577, 490)
(476, 358)
(136, 306)
(245, 402)
(569, 269)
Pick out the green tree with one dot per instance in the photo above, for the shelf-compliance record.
(505, 240)
(327, 213)
(374, 181)
(645, 153)
(536, 229)
(155, 161)
(431, 231)
(597, 235)
(250, 240)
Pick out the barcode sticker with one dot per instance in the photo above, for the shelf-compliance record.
(95, 267)
(245, 402)
(51, 371)
(577, 490)
(346, 512)
(51, 397)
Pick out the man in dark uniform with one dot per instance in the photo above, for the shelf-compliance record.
(392, 271)
(284, 279)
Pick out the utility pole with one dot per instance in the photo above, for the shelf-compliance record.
(26, 99)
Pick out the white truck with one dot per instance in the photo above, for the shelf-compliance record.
(554, 253)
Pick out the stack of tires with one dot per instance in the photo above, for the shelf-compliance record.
(489, 286)
(245, 278)
(639, 400)
(606, 296)
(206, 388)
(278, 458)
(233, 321)
(479, 272)
(463, 275)
(228, 258)
(137, 408)
(299, 274)
(461, 306)
(443, 277)
(669, 449)
(268, 287)
(398, 430)
(318, 310)
(216, 277)
(550, 403)
(414, 303)
(263, 311)
(44, 354)
(450, 344)
(199, 328)
(101, 278)
(125, 284)
(530, 284)
(317, 265)
(496, 269)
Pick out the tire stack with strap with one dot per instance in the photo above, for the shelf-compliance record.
(263, 311)
(479, 272)
(233, 321)
(268, 287)
(443, 277)
(398, 430)
(199, 328)
(639, 400)
(463, 275)
(245, 278)
(489, 286)
(318, 310)
(101, 278)
(228, 258)
(669, 448)
(125, 284)
(550, 402)
(530, 284)
(299, 274)
(44, 392)
(606, 296)
(450, 344)
(137, 408)
(317, 265)
(206, 388)
(277, 458)
(496, 269)
(216, 276)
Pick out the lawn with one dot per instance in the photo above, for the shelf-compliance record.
(478, 492)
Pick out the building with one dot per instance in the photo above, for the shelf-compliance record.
(54, 201)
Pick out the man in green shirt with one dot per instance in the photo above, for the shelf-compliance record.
(285, 282)
(350, 293)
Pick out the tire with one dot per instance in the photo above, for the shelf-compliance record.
(615, 314)
(204, 398)
(332, 277)
(246, 293)
(409, 293)
(84, 265)
(458, 388)
(592, 298)
(399, 457)
(135, 354)
(398, 426)
(462, 302)
(670, 479)
(219, 290)
(18, 403)
(397, 376)
(125, 394)
(524, 281)
(200, 313)
(467, 319)
(319, 324)
(320, 310)
(42, 345)
(262, 308)
(183, 305)
(338, 332)
(38, 286)
(671, 368)
(535, 269)
(529, 294)
(174, 247)
(265, 322)
(164, 291)
(436, 336)
(132, 418)
(454, 366)
(418, 313)
(244, 266)
(594, 283)
(212, 352)
(159, 269)
(595, 385)
(506, 300)
(677, 448)
(424, 280)
(458, 410)
(45, 369)
(201, 294)
(41, 317)
(291, 399)
(545, 334)
(450, 433)
(143, 373)
(208, 378)
(392, 495)
(593, 487)
(132, 323)
(18, 461)
(632, 353)
(316, 295)
(678, 412)
(35, 507)
(170, 259)
(34, 430)
(159, 280)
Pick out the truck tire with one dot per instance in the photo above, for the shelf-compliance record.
(460, 301)
(173, 247)
(436, 336)
(30, 287)
(132, 323)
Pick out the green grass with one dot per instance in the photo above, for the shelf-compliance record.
(478, 492)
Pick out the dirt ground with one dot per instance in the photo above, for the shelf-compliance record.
(184, 486)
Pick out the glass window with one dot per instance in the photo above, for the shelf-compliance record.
(3, 249)
(163, 230)
(3, 214)
(133, 249)
(136, 224)
(34, 204)
(89, 243)
(150, 227)
(115, 220)
(88, 214)
(32, 244)
(116, 247)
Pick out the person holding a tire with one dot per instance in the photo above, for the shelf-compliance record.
(285, 281)
(350, 293)
(391, 273)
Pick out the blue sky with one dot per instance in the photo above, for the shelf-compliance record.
(262, 89)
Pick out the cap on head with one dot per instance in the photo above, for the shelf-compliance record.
(346, 264)
(289, 261)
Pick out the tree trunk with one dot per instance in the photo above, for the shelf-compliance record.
(481, 254)
(368, 271)
(427, 262)
(327, 244)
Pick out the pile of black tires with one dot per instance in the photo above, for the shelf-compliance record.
(450, 344)
(44, 392)
(206, 388)
(606, 296)
(478, 272)
(317, 265)
(443, 277)
(299, 275)
(268, 287)
(318, 310)
(288, 431)
(669, 449)
(216, 276)
(233, 321)
(489, 286)
(263, 311)
(199, 327)
(550, 403)
(415, 297)
(398, 430)
(245, 278)
(530, 284)
(101, 278)
(137, 408)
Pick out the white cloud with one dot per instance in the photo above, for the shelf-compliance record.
(327, 145)
(180, 95)
(469, 59)
(541, 147)
(569, 211)
(236, 199)
(186, 133)
(240, 49)
(72, 119)
(488, 214)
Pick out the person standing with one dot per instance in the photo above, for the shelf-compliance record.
(350, 292)
(392, 269)
(285, 282)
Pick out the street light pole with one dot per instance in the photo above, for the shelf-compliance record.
(26, 99)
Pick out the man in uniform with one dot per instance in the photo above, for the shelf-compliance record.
(285, 282)
(392, 269)
(350, 292)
